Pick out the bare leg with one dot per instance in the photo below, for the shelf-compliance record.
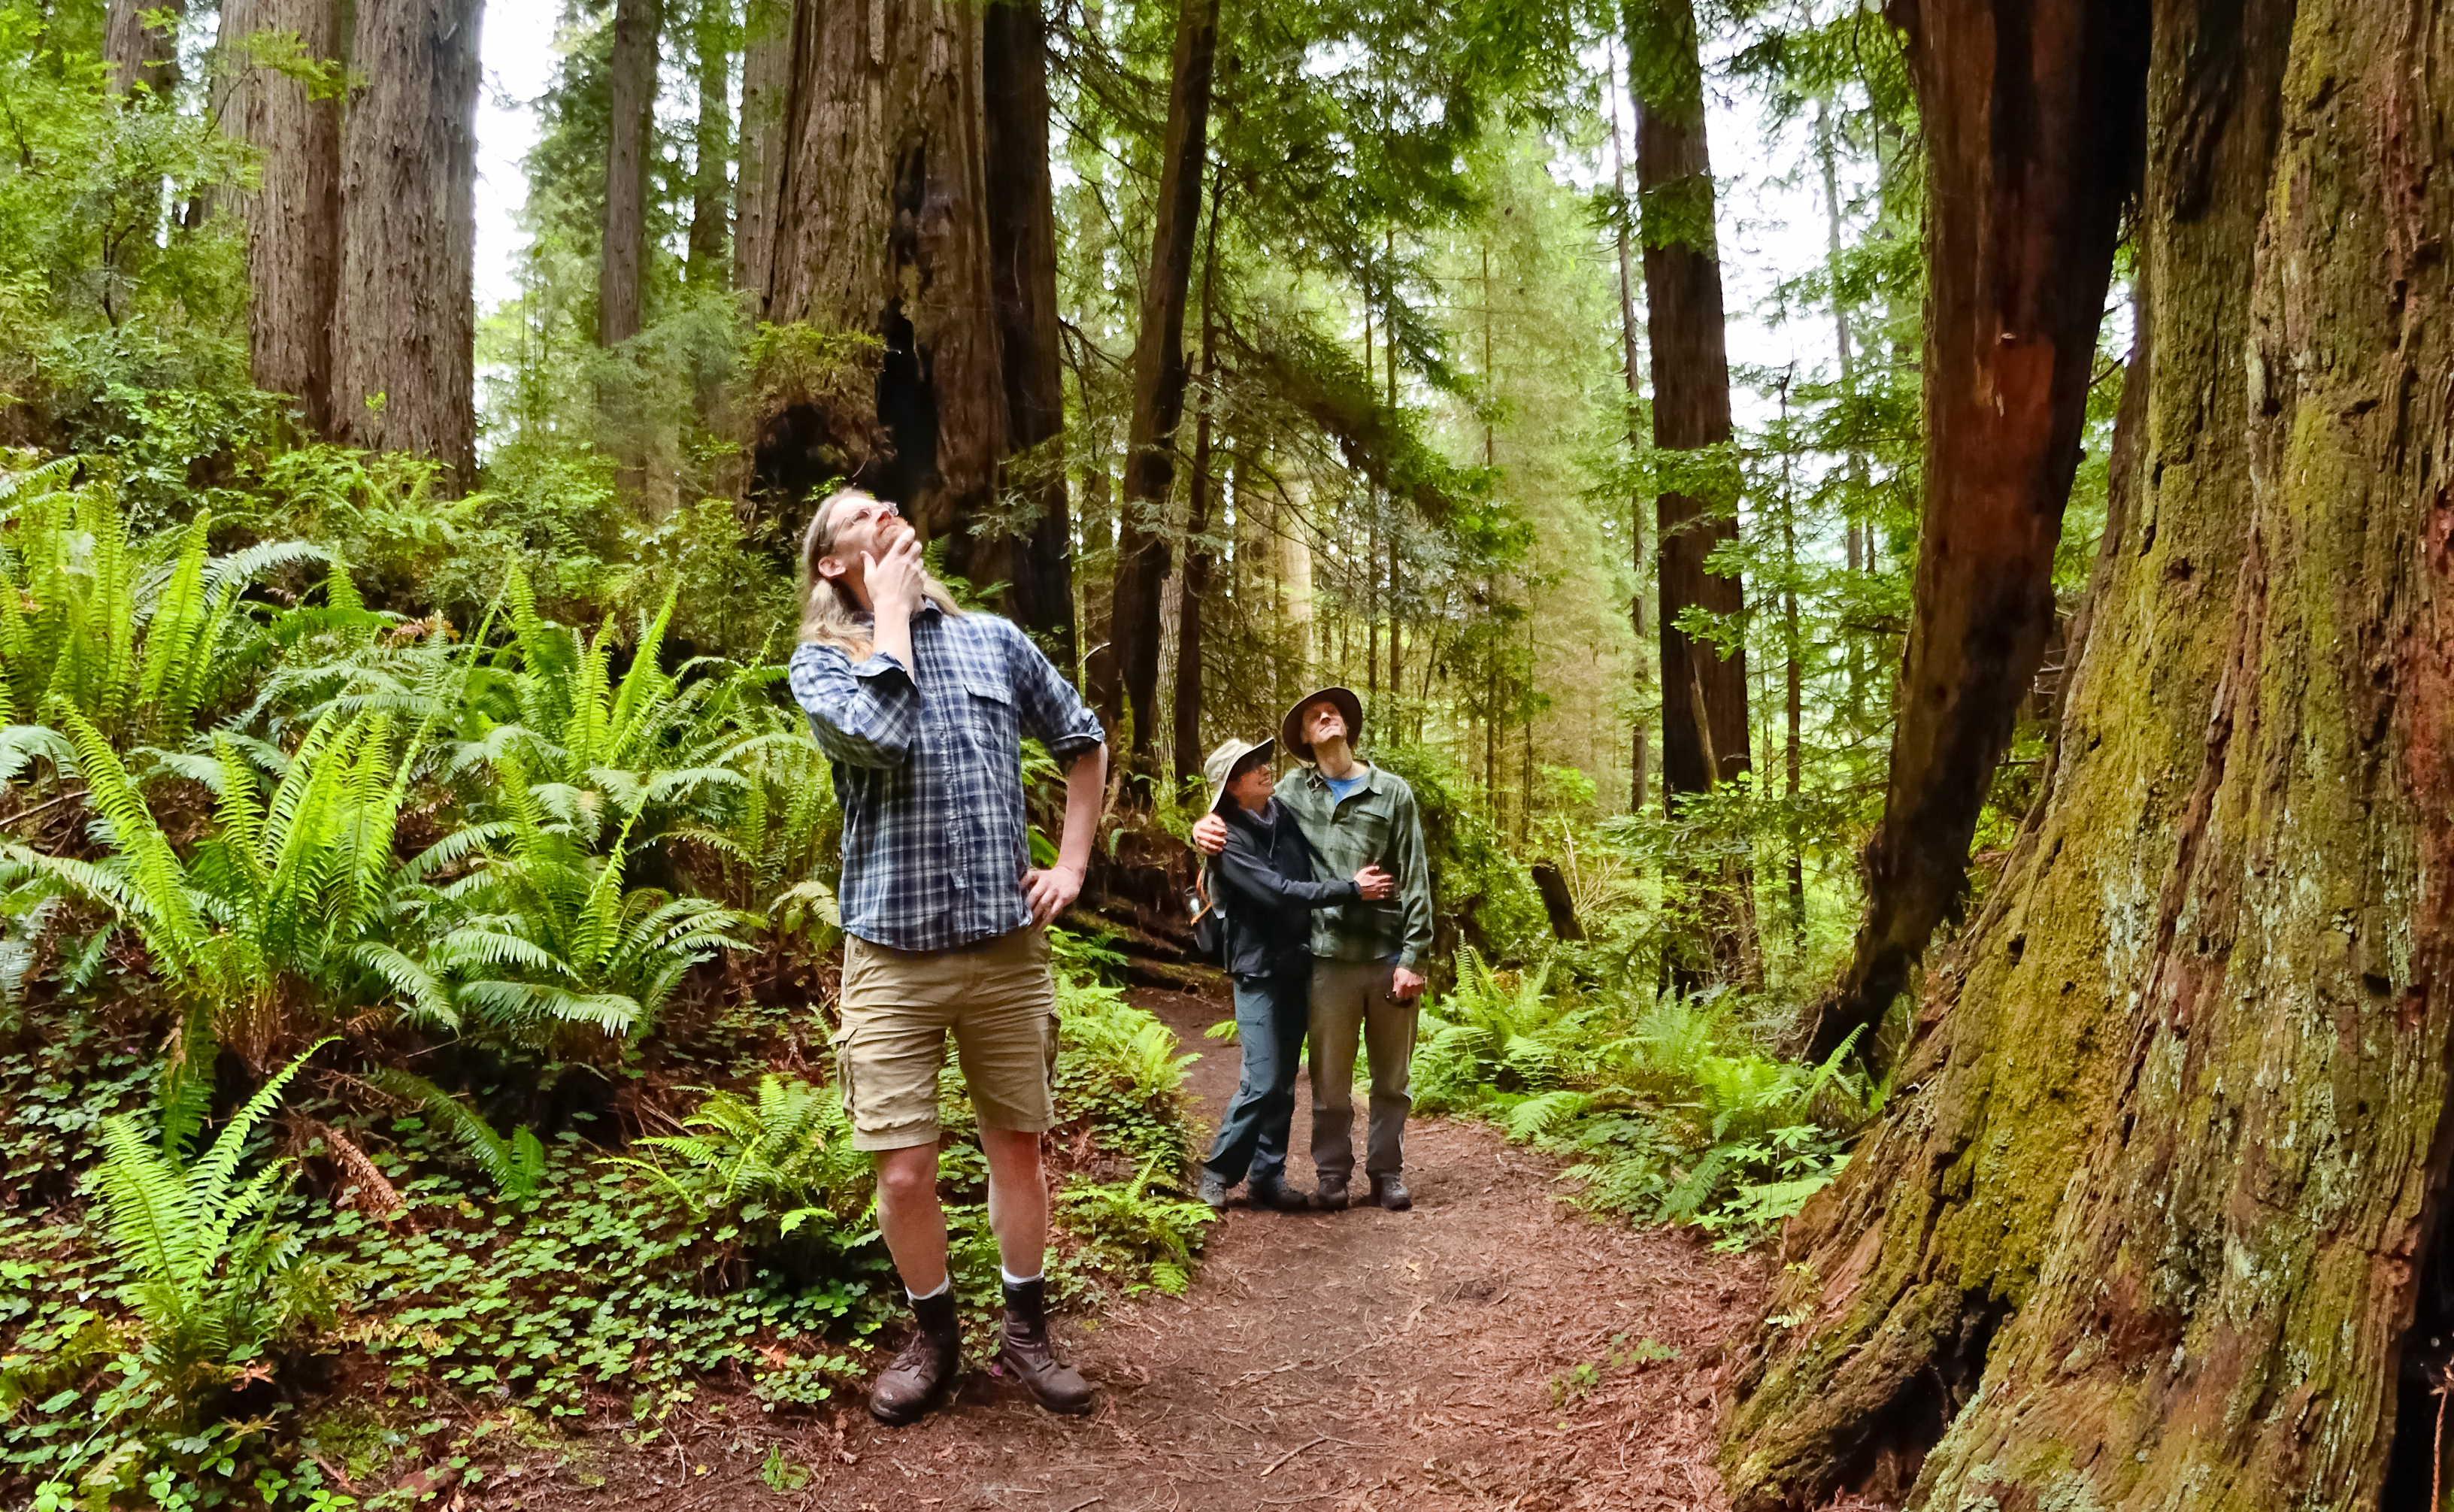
(910, 1217)
(1017, 1203)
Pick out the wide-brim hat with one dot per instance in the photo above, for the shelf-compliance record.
(1231, 757)
(1349, 705)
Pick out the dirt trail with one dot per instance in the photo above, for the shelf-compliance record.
(1426, 1359)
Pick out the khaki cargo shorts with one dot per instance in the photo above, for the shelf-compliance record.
(999, 999)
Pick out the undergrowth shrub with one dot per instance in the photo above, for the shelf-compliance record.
(1666, 1107)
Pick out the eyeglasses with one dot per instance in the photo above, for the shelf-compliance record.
(876, 509)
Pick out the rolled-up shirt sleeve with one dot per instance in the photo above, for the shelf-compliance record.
(1048, 704)
(864, 714)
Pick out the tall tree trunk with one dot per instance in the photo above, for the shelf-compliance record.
(1852, 527)
(141, 46)
(710, 222)
(1124, 672)
(769, 29)
(292, 218)
(1704, 727)
(1640, 777)
(1038, 565)
(2033, 148)
(1396, 500)
(1195, 587)
(2166, 1200)
(631, 90)
(881, 247)
(404, 323)
(1793, 648)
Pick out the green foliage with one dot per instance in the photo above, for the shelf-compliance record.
(1131, 1222)
(1119, 1071)
(1665, 1108)
(781, 1159)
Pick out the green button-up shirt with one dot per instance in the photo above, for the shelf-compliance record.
(1377, 823)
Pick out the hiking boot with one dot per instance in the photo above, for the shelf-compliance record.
(923, 1368)
(1214, 1192)
(1028, 1356)
(1330, 1196)
(1273, 1192)
(1392, 1194)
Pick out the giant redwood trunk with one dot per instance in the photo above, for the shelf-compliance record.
(880, 249)
(768, 27)
(2032, 116)
(631, 90)
(1124, 672)
(293, 217)
(405, 322)
(1035, 556)
(2151, 1220)
(1704, 735)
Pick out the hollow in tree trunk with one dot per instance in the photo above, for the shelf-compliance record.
(404, 325)
(2148, 1224)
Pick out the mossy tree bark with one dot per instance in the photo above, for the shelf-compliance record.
(2145, 1225)
(2033, 115)
(879, 247)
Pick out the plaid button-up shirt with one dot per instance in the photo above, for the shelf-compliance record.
(929, 772)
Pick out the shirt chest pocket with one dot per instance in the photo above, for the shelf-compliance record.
(988, 714)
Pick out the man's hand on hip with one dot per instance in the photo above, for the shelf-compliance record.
(1050, 891)
(1405, 983)
(1209, 835)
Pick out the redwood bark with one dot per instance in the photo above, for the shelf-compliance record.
(2148, 1222)
(404, 323)
(711, 144)
(881, 245)
(1037, 563)
(292, 218)
(138, 50)
(1639, 781)
(1124, 672)
(1194, 591)
(768, 30)
(2034, 120)
(630, 90)
(1704, 729)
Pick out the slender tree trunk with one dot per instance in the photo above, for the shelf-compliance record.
(1396, 501)
(1794, 682)
(630, 88)
(711, 226)
(292, 218)
(1125, 670)
(1631, 366)
(404, 323)
(2034, 142)
(1196, 588)
(1852, 527)
(768, 30)
(881, 247)
(141, 46)
(1690, 412)
(1023, 240)
(2166, 1176)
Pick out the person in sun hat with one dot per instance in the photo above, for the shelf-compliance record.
(1366, 973)
(1262, 884)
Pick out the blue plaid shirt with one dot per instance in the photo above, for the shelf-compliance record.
(930, 773)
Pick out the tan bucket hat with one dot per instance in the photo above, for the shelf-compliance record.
(1231, 755)
(1348, 705)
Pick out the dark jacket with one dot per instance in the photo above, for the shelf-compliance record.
(1263, 884)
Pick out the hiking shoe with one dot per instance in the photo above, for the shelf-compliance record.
(1330, 1196)
(923, 1368)
(1392, 1194)
(1273, 1192)
(1214, 1192)
(1027, 1355)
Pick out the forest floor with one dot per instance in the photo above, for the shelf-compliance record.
(1493, 1348)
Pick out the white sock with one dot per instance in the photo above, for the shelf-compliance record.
(939, 1290)
(1012, 1279)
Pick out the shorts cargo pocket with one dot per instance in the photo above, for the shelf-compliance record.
(842, 1043)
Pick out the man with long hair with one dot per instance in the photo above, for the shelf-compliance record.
(922, 709)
